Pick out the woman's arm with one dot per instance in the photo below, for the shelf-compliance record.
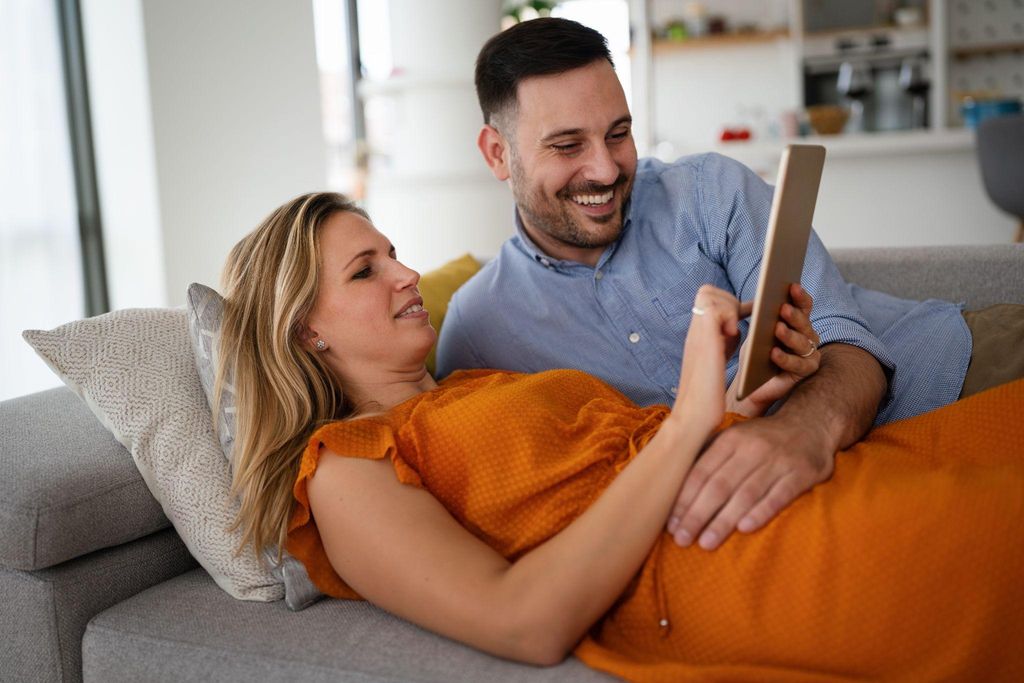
(399, 548)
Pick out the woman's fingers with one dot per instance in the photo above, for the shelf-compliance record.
(713, 328)
(716, 304)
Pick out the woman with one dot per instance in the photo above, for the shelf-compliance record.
(523, 514)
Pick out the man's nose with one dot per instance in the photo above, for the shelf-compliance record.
(601, 168)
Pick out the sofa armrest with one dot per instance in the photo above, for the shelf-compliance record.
(67, 488)
(977, 275)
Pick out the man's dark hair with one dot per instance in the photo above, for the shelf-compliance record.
(538, 47)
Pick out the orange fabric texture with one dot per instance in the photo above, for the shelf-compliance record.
(906, 566)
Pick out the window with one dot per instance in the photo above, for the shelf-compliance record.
(41, 272)
(351, 129)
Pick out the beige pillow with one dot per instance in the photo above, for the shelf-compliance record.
(135, 370)
(205, 310)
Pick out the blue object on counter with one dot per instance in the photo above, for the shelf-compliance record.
(976, 111)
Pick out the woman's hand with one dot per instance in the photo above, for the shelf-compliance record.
(803, 359)
(710, 342)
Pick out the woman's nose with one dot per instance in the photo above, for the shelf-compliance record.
(406, 277)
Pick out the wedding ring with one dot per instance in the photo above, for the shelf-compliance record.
(810, 352)
(697, 310)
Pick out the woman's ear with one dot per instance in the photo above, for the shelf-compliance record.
(306, 336)
(495, 149)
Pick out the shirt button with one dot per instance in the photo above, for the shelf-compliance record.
(546, 262)
(634, 337)
(674, 390)
(598, 275)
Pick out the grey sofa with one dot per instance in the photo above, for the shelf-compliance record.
(95, 585)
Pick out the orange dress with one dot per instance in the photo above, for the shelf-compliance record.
(907, 565)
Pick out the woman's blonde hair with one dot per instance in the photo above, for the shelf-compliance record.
(283, 390)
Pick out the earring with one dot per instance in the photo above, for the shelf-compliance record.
(321, 345)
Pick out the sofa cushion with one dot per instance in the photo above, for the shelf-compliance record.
(135, 370)
(187, 630)
(437, 288)
(65, 484)
(45, 612)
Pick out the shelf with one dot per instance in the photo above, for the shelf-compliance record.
(967, 51)
(853, 145)
(723, 40)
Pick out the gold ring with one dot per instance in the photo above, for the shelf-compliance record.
(697, 310)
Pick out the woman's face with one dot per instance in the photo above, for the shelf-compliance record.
(368, 310)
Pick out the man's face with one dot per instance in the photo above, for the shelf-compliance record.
(573, 160)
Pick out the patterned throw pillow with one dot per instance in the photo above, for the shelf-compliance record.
(135, 370)
(205, 308)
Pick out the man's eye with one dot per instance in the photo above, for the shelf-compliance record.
(363, 274)
(567, 147)
(620, 135)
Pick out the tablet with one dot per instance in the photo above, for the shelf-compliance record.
(783, 261)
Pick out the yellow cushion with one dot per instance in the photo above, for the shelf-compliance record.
(437, 288)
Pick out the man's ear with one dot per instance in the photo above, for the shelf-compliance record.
(496, 151)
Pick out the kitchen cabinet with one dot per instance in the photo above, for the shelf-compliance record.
(888, 188)
(686, 92)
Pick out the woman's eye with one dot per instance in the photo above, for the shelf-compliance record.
(363, 274)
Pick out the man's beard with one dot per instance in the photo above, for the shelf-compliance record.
(556, 219)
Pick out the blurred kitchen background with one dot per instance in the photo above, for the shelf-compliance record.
(140, 139)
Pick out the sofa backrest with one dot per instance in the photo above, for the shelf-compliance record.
(977, 275)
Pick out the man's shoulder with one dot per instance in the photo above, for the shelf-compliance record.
(669, 195)
(652, 169)
(499, 276)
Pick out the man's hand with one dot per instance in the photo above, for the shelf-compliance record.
(747, 476)
(756, 468)
(795, 333)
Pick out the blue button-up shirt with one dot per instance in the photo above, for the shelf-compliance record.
(701, 219)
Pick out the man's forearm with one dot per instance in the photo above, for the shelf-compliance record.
(842, 397)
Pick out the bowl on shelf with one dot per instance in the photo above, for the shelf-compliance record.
(975, 111)
(827, 119)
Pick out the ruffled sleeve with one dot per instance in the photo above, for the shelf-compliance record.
(371, 439)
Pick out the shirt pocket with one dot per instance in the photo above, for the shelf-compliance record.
(676, 301)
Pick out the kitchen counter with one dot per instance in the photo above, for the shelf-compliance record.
(853, 145)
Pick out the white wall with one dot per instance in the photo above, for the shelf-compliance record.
(697, 91)
(908, 200)
(235, 102)
(915, 190)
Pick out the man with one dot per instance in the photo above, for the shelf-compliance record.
(608, 256)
